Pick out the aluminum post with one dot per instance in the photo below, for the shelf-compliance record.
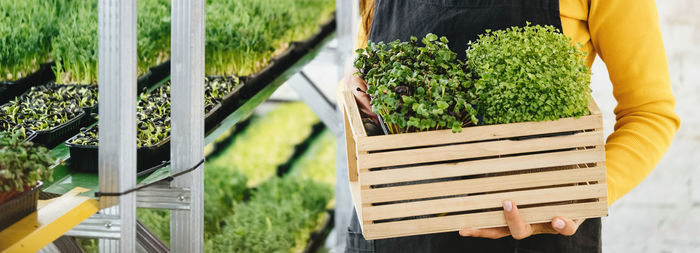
(117, 99)
(187, 148)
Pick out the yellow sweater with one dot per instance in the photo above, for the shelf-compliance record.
(627, 36)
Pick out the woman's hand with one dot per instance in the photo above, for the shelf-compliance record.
(353, 84)
(519, 229)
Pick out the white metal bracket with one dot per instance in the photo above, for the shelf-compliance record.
(103, 226)
(319, 103)
(163, 196)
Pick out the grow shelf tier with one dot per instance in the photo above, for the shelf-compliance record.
(66, 179)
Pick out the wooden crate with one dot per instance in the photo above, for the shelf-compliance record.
(553, 168)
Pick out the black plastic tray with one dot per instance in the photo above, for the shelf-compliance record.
(55, 135)
(279, 63)
(30, 136)
(252, 84)
(19, 207)
(228, 104)
(154, 75)
(318, 238)
(84, 157)
(11, 89)
(324, 30)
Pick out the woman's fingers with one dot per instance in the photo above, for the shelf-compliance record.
(491, 233)
(519, 229)
(565, 226)
(358, 87)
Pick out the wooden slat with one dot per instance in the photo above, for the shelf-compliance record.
(478, 185)
(474, 150)
(353, 113)
(477, 202)
(478, 133)
(477, 167)
(480, 220)
(350, 150)
(355, 194)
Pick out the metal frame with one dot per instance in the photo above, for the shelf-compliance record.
(187, 117)
(117, 149)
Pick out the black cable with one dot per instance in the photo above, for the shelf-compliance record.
(141, 186)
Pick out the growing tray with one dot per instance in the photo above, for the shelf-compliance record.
(318, 237)
(283, 61)
(19, 207)
(30, 136)
(84, 157)
(324, 30)
(57, 134)
(11, 89)
(439, 181)
(154, 75)
(228, 104)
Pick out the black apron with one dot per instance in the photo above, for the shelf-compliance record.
(462, 21)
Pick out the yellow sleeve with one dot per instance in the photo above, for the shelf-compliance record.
(627, 36)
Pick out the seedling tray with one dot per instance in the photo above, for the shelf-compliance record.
(326, 29)
(19, 207)
(57, 134)
(278, 64)
(228, 104)
(252, 84)
(84, 157)
(30, 136)
(11, 89)
(318, 237)
(154, 75)
(439, 181)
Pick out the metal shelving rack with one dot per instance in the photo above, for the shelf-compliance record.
(112, 219)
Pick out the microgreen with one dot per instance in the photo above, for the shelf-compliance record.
(533, 73)
(45, 107)
(275, 219)
(22, 163)
(26, 31)
(242, 36)
(417, 88)
(75, 48)
(153, 112)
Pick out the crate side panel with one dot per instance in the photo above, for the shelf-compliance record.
(476, 150)
(480, 220)
(479, 133)
(484, 201)
(477, 167)
(481, 185)
(353, 113)
(350, 150)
